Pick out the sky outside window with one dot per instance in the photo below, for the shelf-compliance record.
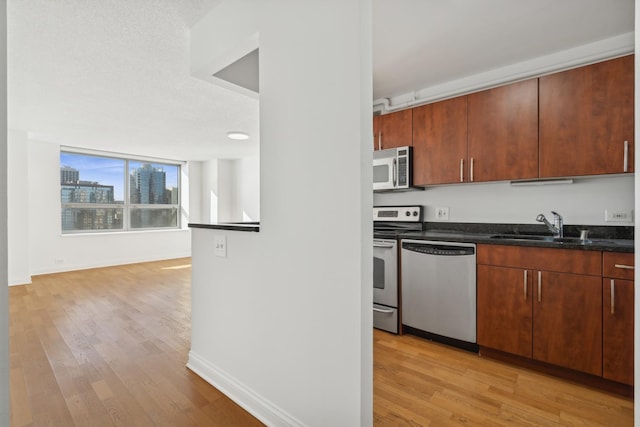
(103, 170)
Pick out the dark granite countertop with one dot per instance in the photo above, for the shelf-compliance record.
(601, 238)
(231, 226)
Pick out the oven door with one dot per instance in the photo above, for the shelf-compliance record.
(385, 272)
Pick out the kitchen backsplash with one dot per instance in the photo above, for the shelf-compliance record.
(582, 202)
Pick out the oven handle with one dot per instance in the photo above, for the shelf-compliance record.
(380, 310)
(383, 245)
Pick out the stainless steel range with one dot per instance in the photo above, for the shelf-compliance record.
(388, 223)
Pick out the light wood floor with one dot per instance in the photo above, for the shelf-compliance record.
(108, 346)
(421, 383)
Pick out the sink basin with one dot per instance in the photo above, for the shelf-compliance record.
(522, 237)
(540, 238)
(572, 240)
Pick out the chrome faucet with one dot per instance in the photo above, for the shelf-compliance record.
(557, 226)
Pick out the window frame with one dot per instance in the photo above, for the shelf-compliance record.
(127, 207)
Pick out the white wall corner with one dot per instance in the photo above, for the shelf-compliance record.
(227, 33)
(252, 402)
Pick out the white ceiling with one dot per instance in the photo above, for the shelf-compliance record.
(114, 74)
(422, 43)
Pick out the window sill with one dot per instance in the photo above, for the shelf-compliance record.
(111, 233)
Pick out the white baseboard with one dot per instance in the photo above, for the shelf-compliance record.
(248, 399)
(109, 263)
(15, 281)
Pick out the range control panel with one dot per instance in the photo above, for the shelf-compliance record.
(397, 213)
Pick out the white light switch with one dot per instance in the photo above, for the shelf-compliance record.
(220, 246)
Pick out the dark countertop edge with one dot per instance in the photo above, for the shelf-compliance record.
(615, 245)
(231, 226)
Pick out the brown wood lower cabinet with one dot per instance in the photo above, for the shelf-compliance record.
(567, 321)
(617, 316)
(532, 302)
(505, 318)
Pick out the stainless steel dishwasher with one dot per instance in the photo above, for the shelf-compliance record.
(439, 291)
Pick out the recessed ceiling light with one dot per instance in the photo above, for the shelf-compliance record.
(240, 136)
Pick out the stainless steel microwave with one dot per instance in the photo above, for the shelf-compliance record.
(392, 169)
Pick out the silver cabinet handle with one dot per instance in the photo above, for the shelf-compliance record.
(471, 170)
(624, 267)
(380, 310)
(379, 140)
(525, 285)
(613, 296)
(461, 170)
(539, 286)
(626, 157)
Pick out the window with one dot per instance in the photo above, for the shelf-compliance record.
(100, 193)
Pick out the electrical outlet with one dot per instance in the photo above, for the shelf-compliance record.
(442, 214)
(618, 216)
(220, 246)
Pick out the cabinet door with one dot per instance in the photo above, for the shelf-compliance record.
(586, 115)
(617, 330)
(393, 129)
(503, 132)
(440, 142)
(567, 321)
(504, 309)
(376, 132)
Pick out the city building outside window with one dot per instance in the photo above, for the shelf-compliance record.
(100, 193)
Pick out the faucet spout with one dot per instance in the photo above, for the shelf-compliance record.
(557, 228)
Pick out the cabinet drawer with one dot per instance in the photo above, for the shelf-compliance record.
(618, 265)
(548, 259)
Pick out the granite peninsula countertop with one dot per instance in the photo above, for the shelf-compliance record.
(231, 226)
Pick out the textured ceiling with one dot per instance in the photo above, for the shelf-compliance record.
(114, 74)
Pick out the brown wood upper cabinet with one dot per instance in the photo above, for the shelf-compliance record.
(440, 142)
(586, 120)
(503, 132)
(393, 130)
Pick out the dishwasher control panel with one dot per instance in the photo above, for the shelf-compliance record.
(441, 250)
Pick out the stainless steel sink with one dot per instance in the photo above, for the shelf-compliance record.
(572, 240)
(522, 237)
(539, 238)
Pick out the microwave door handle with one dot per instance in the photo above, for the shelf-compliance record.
(395, 173)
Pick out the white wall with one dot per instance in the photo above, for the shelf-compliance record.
(230, 190)
(582, 202)
(18, 198)
(4, 299)
(50, 251)
(194, 179)
(283, 324)
(248, 179)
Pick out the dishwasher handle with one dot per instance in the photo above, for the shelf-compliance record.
(438, 250)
